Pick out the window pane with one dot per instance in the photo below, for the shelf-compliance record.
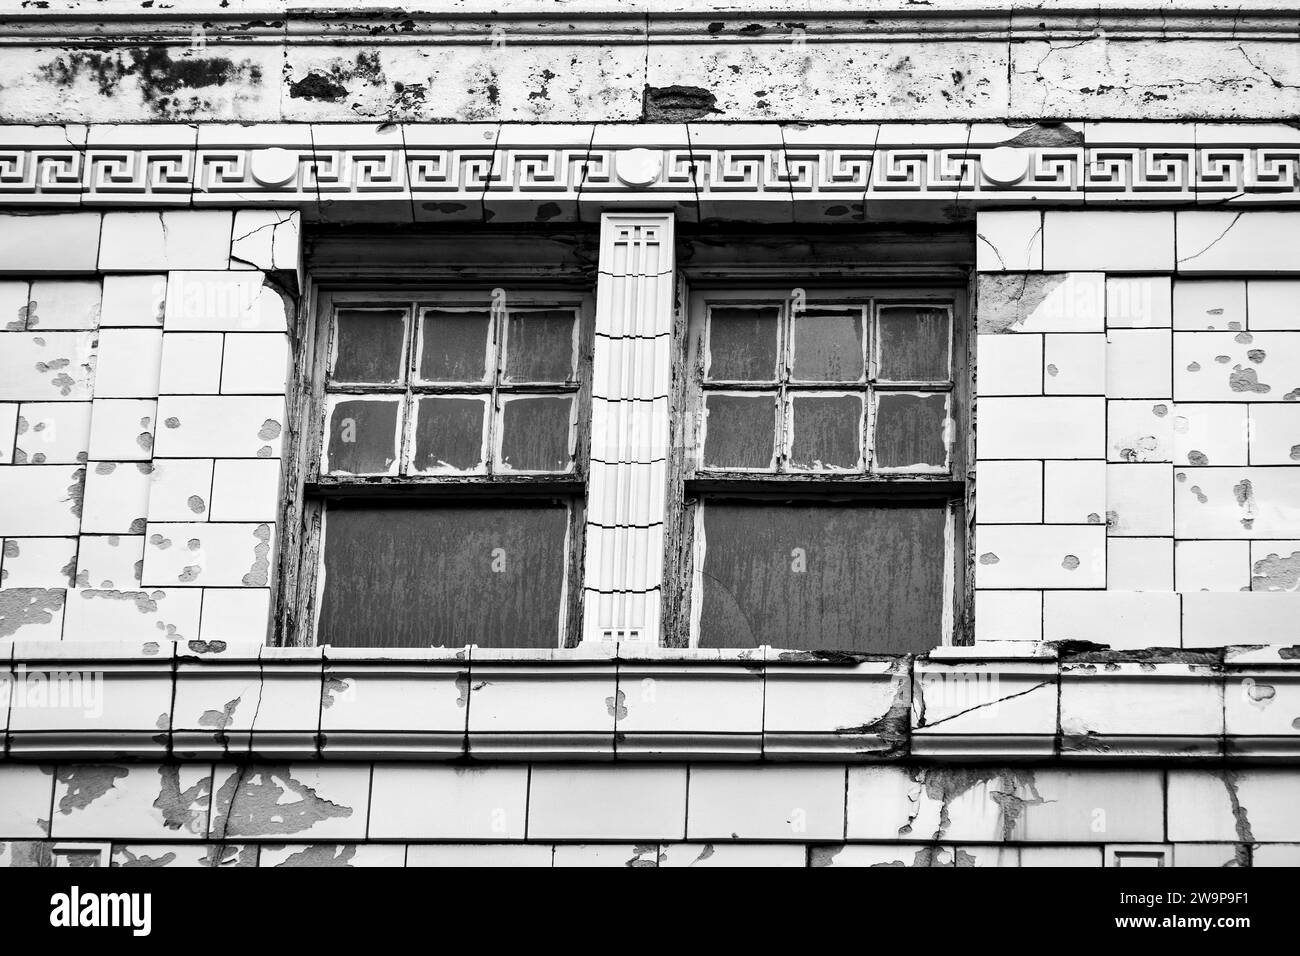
(535, 433)
(411, 576)
(361, 437)
(827, 346)
(449, 434)
(454, 346)
(910, 430)
(368, 346)
(849, 577)
(913, 344)
(826, 431)
(742, 344)
(540, 346)
(739, 431)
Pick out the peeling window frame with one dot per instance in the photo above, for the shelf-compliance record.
(691, 486)
(298, 613)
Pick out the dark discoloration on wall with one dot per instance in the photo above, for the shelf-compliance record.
(219, 720)
(329, 687)
(893, 727)
(1247, 380)
(676, 104)
(616, 706)
(318, 86)
(321, 854)
(1275, 572)
(28, 853)
(171, 87)
(267, 800)
(146, 602)
(131, 859)
(86, 783)
(1240, 820)
(1006, 300)
(260, 569)
(231, 856)
(1047, 134)
(22, 606)
(1016, 791)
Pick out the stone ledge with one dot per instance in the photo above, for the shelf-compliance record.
(210, 700)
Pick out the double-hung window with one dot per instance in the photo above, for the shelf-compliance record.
(822, 494)
(446, 488)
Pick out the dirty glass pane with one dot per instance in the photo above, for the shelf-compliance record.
(740, 431)
(910, 430)
(449, 434)
(361, 436)
(535, 433)
(540, 346)
(845, 577)
(827, 346)
(826, 431)
(913, 344)
(368, 346)
(418, 575)
(453, 346)
(742, 344)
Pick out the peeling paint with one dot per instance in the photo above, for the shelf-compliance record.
(86, 783)
(267, 800)
(1274, 572)
(20, 607)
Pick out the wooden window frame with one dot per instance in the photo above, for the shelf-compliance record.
(690, 485)
(298, 615)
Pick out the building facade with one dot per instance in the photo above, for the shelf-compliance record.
(646, 435)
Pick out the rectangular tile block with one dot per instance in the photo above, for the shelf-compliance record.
(1120, 619)
(766, 802)
(49, 242)
(1042, 428)
(428, 802)
(1010, 492)
(607, 802)
(211, 554)
(1108, 241)
(1213, 619)
(1140, 500)
(227, 426)
(1235, 241)
(1009, 241)
(38, 500)
(52, 433)
(1138, 302)
(1044, 556)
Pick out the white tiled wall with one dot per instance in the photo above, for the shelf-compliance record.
(1138, 372)
(141, 418)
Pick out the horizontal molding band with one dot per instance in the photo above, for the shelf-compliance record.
(632, 701)
(418, 172)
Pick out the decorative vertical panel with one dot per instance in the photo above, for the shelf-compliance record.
(630, 431)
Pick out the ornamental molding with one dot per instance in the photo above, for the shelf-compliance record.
(758, 172)
(604, 700)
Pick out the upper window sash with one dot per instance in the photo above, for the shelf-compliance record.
(452, 385)
(842, 383)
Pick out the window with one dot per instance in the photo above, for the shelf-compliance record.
(447, 485)
(822, 485)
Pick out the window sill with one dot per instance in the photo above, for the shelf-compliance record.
(592, 703)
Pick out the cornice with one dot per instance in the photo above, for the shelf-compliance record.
(1002, 703)
(551, 173)
(616, 22)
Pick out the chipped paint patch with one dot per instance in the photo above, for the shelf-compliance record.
(20, 607)
(86, 783)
